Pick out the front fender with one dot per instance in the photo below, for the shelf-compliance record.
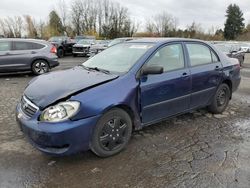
(120, 92)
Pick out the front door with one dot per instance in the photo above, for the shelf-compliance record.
(168, 93)
(5, 47)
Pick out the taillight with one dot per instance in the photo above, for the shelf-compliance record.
(53, 50)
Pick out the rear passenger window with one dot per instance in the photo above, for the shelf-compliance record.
(199, 54)
(27, 46)
(22, 46)
(5, 46)
(37, 46)
(169, 57)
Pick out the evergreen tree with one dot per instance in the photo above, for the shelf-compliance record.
(235, 22)
(55, 24)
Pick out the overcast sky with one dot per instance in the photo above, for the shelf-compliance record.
(206, 12)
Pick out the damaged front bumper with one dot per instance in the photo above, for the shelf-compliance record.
(62, 138)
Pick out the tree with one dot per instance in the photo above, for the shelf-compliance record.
(162, 25)
(235, 22)
(55, 24)
(62, 10)
(30, 27)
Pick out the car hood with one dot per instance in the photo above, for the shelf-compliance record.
(81, 45)
(49, 88)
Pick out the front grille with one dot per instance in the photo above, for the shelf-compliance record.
(80, 49)
(28, 107)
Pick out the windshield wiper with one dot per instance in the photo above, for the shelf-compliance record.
(96, 69)
(99, 70)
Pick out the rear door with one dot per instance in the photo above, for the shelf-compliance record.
(168, 93)
(206, 73)
(22, 54)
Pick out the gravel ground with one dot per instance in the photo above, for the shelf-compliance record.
(193, 150)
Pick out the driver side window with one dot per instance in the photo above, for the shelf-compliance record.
(169, 57)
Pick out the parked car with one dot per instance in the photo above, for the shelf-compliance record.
(119, 40)
(245, 47)
(18, 55)
(63, 44)
(126, 87)
(232, 50)
(82, 47)
(98, 47)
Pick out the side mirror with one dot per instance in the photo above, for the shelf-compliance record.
(152, 70)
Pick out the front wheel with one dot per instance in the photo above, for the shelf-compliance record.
(60, 52)
(40, 67)
(220, 99)
(112, 133)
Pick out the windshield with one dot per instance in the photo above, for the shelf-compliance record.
(56, 39)
(85, 41)
(119, 58)
(245, 45)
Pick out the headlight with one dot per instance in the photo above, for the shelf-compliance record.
(60, 112)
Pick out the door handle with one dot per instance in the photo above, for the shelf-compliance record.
(184, 75)
(217, 68)
(33, 52)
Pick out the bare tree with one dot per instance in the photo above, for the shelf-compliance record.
(62, 10)
(30, 27)
(76, 15)
(162, 24)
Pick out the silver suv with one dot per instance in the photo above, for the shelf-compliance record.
(18, 55)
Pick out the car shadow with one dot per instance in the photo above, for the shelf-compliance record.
(156, 129)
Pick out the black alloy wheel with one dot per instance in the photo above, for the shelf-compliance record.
(112, 133)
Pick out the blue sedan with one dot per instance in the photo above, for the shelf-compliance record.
(131, 85)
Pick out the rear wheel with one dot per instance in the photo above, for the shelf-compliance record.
(40, 67)
(112, 133)
(220, 100)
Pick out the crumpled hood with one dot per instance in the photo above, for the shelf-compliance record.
(49, 88)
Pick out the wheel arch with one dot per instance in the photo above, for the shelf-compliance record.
(126, 108)
(229, 83)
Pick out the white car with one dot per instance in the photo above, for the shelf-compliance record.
(245, 47)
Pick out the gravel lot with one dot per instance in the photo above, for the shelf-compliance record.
(193, 150)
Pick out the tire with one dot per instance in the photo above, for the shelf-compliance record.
(74, 55)
(112, 133)
(40, 67)
(60, 52)
(220, 99)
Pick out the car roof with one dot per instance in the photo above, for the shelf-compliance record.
(24, 40)
(161, 40)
